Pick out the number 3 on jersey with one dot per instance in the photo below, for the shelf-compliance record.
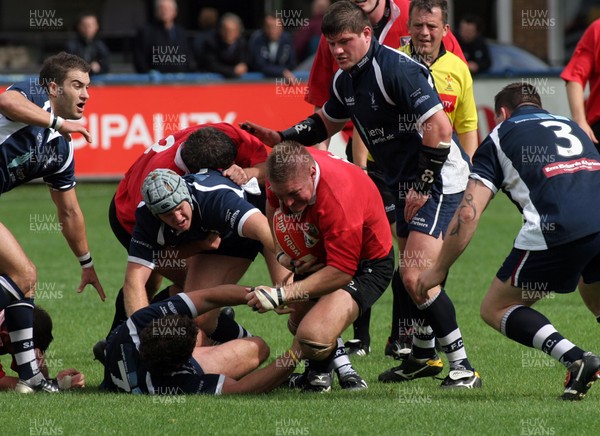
(576, 147)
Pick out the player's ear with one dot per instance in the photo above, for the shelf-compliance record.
(53, 89)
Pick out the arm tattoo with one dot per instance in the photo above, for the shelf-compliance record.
(468, 199)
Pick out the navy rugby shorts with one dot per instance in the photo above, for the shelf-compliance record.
(557, 269)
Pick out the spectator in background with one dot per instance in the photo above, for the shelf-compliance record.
(272, 50)
(162, 44)
(306, 39)
(208, 19)
(87, 46)
(226, 52)
(583, 67)
(473, 44)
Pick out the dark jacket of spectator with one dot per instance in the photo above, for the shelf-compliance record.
(222, 58)
(92, 51)
(268, 63)
(86, 45)
(161, 49)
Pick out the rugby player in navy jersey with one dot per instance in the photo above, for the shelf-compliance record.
(550, 169)
(215, 145)
(180, 217)
(35, 143)
(399, 116)
(154, 352)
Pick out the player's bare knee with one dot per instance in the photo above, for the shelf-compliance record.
(486, 314)
(409, 278)
(316, 350)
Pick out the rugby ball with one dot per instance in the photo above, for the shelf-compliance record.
(293, 236)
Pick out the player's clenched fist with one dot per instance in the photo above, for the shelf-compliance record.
(264, 298)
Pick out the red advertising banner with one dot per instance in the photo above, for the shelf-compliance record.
(125, 120)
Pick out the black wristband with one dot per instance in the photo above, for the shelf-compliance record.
(431, 161)
(307, 132)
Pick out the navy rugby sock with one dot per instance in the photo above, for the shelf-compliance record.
(441, 315)
(361, 328)
(227, 330)
(529, 327)
(19, 321)
(120, 314)
(401, 318)
(18, 313)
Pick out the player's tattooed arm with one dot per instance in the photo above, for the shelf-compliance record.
(467, 203)
(467, 211)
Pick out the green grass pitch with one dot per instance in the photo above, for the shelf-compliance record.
(520, 385)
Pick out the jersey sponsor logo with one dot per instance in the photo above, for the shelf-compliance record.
(233, 217)
(349, 101)
(421, 100)
(376, 132)
(378, 135)
(142, 243)
(449, 102)
(416, 93)
(572, 166)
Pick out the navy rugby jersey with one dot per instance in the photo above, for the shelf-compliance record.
(125, 372)
(388, 96)
(30, 152)
(219, 205)
(549, 168)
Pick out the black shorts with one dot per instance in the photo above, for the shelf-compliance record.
(557, 269)
(371, 280)
(389, 197)
(233, 246)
